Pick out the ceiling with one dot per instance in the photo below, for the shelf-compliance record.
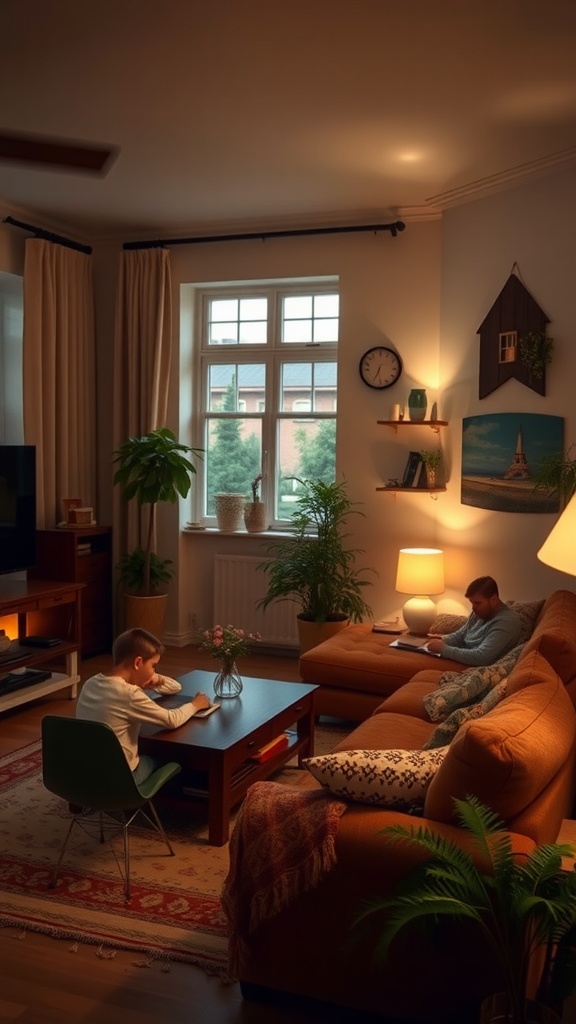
(282, 112)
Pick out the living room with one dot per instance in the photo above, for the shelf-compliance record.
(423, 293)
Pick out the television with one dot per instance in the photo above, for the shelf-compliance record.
(17, 507)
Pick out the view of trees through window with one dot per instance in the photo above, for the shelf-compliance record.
(269, 380)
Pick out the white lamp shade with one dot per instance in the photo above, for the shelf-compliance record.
(559, 548)
(420, 571)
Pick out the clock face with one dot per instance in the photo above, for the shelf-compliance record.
(380, 367)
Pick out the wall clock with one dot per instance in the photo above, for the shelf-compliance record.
(380, 367)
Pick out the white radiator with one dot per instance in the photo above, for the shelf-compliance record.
(238, 586)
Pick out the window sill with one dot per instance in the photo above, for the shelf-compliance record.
(213, 531)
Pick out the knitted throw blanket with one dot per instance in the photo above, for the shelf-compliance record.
(282, 843)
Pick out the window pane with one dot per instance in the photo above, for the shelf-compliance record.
(297, 330)
(297, 307)
(296, 385)
(307, 450)
(223, 334)
(314, 383)
(253, 309)
(233, 456)
(223, 309)
(325, 330)
(253, 332)
(326, 305)
(229, 384)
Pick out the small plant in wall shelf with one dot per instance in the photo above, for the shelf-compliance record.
(432, 458)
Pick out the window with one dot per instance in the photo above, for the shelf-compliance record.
(507, 346)
(266, 361)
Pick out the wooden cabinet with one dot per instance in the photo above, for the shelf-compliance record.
(84, 555)
(409, 426)
(30, 608)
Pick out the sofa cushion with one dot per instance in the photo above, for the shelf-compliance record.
(390, 778)
(554, 634)
(446, 623)
(508, 757)
(528, 612)
(358, 659)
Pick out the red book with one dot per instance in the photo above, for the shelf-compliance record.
(270, 749)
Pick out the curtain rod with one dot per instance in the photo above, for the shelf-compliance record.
(49, 236)
(159, 243)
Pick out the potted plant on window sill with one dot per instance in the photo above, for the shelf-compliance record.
(525, 908)
(151, 469)
(314, 568)
(255, 510)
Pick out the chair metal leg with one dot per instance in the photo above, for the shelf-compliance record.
(160, 827)
(125, 826)
(52, 882)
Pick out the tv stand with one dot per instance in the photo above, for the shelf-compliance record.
(40, 608)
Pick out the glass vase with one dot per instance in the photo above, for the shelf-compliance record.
(228, 682)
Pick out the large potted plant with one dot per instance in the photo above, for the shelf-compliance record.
(315, 569)
(525, 908)
(151, 469)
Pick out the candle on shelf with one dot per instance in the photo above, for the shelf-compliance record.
(396, 412)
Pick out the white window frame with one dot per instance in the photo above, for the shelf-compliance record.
(273, 354)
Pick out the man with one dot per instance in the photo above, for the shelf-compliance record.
(118, 699)
(492, 629)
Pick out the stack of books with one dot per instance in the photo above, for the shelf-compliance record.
(271, 749)
(414, 471)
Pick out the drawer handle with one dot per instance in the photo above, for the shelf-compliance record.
(298, 707)
(250, 744)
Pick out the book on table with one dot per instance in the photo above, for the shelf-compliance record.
(270, 749)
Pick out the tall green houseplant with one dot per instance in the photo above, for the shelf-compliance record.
(151, 469)
(315, 568)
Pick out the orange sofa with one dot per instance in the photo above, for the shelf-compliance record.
(356, 669)
(518, 758)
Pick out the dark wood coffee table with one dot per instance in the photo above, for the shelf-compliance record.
(215, 752)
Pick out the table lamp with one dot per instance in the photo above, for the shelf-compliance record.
(559, 548)
(420, 573)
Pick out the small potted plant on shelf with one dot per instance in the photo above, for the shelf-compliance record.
(255, 510)
(315, 569)
(151, 469)
(525, 908)
(432, 458)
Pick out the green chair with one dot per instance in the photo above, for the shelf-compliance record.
(83, 763)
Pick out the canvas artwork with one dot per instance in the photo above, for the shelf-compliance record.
(500, 453)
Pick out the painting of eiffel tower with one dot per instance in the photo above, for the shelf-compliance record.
(500, 454)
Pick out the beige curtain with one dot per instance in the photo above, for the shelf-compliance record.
(142, 356)
(59, 375)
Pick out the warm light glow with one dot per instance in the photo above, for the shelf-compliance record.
(559, 548)
(420, 572)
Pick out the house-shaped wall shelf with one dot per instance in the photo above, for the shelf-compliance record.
(514, 314)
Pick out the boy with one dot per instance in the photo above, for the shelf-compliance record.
(118, 699)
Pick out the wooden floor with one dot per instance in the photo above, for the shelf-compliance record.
(43, 982)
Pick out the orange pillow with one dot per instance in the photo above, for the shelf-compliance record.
(511, 754)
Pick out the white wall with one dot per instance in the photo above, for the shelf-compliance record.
(390, 294)
(532, 225)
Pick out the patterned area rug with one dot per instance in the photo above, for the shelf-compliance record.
(175, 911)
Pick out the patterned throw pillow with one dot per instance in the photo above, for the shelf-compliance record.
(528, 612)
(389, 778)
(446, 623)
